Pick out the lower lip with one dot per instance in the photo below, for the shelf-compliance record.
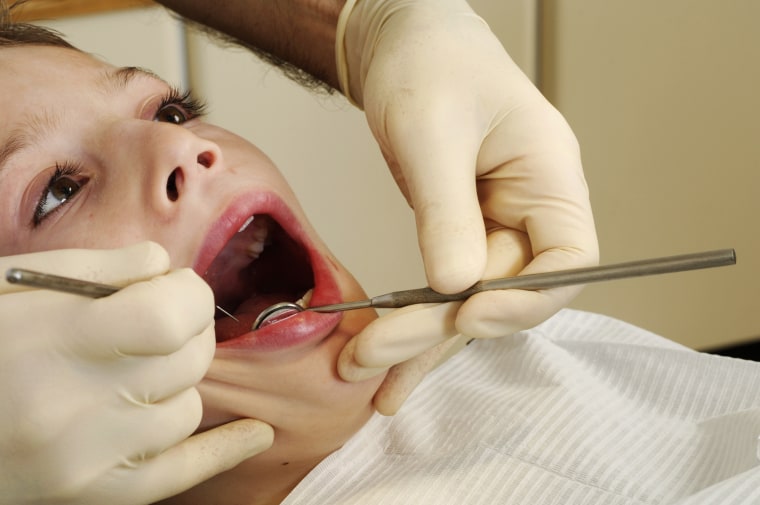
(301, 329)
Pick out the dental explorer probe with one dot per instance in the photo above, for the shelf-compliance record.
(533, 282)
(67, 284)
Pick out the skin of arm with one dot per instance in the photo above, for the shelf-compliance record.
(297, 35)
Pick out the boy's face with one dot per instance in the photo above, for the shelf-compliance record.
(92, 156)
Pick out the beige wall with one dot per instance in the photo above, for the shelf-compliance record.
(665, 98)
(146, 37)
(662, 95)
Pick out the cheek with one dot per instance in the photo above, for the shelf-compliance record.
(86, 231)
(241, 156)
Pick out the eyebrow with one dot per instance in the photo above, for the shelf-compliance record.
(38, 124)
(27, 134)
(118, 79)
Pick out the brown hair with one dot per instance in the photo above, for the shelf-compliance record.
(17, 34)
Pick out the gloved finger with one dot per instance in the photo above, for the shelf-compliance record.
(499, 313)
(351, 371)
(396, 337)
(403, 378)
(542, 192)
(117, 391)
(157, 316)
(119, 267)
(149, 379)
(509, 251)
(145, 431)
(189, 463)
(171, 421)
(503, 312)
(410, 331)
(438, 167)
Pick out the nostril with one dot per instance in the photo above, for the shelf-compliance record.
(171, 186)
(206, 159)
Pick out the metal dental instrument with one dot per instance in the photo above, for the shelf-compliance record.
(396, 299)
(67, 285)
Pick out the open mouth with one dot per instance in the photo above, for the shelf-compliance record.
(260, 265)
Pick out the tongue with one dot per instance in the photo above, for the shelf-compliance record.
(227, 328)
(224, 275)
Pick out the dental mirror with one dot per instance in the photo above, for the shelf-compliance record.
(275, 313)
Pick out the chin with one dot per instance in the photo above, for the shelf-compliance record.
(296, 391)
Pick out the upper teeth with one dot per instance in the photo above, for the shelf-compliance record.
(245, 225)
(259, 234)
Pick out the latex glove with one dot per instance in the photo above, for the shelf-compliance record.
(413, 340)
(477, 151)
(98, 394)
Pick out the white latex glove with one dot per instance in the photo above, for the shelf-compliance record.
(479, 153)
(98, 394)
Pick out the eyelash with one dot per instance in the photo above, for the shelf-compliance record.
(64, 171)
(190, 105)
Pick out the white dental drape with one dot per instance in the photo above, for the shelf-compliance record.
(583, 409)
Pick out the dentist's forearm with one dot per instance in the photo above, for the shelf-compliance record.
(300, 32)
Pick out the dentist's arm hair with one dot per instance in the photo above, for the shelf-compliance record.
(296, 35)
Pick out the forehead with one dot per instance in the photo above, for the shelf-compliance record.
(50, 71)
(37, 78)
(47, 78)
(45, 64)
(40, 75)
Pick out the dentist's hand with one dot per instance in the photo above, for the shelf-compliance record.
(483, 159)
(99, 395)
(413, 340)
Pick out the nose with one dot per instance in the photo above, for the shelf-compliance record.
(174, 161)
(186, 169)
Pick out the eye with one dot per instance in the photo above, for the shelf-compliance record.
(177, 108)
(64, 184)
(171, 114)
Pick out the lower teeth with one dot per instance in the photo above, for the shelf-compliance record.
(303, 302)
